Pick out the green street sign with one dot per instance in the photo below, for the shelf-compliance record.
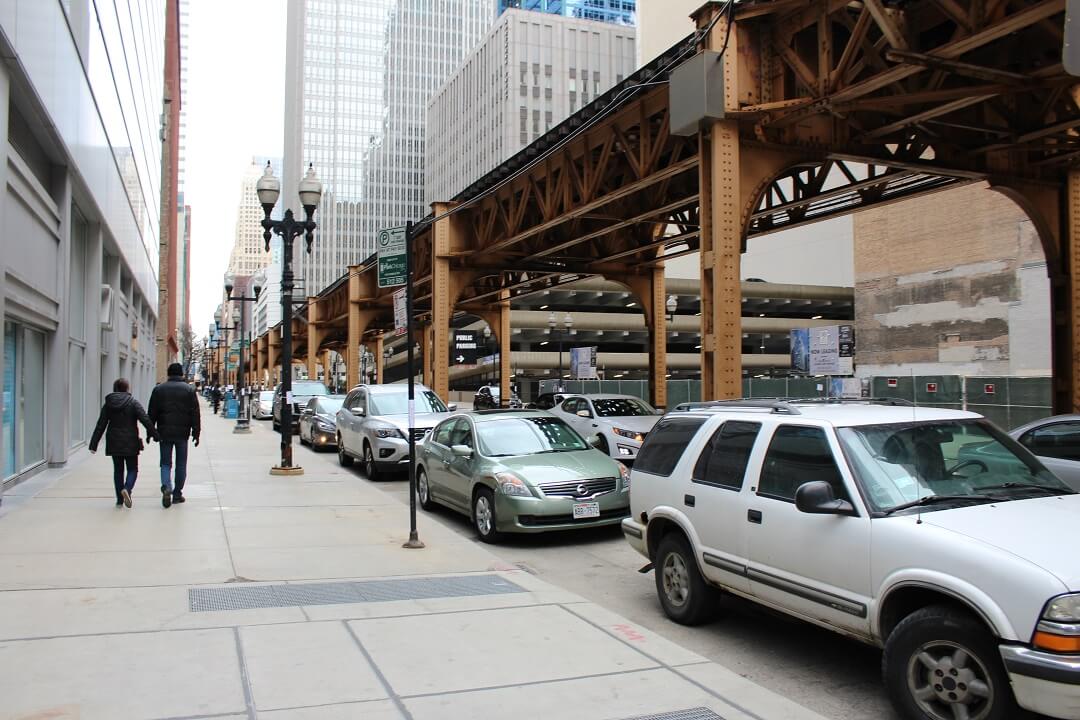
(392, 261)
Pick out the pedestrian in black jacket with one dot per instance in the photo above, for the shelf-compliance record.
(174, 409)
(118, 422)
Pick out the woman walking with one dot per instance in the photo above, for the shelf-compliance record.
(121, 414)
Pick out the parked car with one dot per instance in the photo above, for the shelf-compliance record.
(522, 471)
(1056, 440)
(546, 401)
(487, 398)
(621, 421)
(929, 533)
(318, 421)
(373, 423)
(302, 391)
(262, 405)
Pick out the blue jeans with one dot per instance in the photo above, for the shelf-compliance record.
(167, 447)
(120, 482)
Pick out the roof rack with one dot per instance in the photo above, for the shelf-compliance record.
(900, 402)
(773, 405)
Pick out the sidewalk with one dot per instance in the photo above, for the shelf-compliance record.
(271, 597)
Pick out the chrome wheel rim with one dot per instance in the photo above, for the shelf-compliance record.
(949, 682)
(421, 486)
(483, 515)
(340, 449)
(369, 462)
(676, 580)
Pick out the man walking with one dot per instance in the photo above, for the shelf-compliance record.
(174, 409)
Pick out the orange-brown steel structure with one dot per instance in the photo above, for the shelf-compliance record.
(829, 106)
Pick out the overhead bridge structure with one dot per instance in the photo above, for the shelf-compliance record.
(774, 114)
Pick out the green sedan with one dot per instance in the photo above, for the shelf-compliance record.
(521, 471)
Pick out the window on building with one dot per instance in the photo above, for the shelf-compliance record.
(23, 425)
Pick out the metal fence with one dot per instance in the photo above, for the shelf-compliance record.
(1007, 401)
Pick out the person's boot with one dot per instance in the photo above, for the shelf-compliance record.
(126, 497)
(178, 498)
(166, 497)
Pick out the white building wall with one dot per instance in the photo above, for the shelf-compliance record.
(531, 72)
(80, 170)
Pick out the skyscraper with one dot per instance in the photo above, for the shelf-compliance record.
(529, 74)
(359, 74)
(249, 254)
(620, 12)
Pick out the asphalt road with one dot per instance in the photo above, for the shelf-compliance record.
(833, 676)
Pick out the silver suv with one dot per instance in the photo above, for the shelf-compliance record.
(929, 533)
(373, 423)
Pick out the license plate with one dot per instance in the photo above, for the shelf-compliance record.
(586, 510)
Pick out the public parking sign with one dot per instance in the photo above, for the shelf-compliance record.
(466, 348)
(392, 261)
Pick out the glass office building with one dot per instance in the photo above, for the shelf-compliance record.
(620, 12)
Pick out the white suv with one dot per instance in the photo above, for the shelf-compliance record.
(929, 533)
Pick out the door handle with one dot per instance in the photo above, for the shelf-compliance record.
(689, 500)
(754, 516)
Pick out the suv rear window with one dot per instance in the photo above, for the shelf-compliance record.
(664, 445)
(724, 459)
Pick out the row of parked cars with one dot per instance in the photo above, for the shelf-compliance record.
(929, 533)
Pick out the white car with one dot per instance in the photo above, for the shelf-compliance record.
(373, 425)
(1056, 442)
(929, 533)
(621, 421)
(262, 405)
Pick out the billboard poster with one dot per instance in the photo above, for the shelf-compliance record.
(583, 363)
(823, 350)
(800, 350)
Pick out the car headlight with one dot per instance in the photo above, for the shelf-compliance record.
(324, 425)
(632, 434)
(624, 474)
(1059, 630)
(510, 484)
(389, 433)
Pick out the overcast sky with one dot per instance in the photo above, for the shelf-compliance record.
(235, 109)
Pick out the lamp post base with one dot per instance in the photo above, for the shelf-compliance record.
(241, 429)
(413, 543)
(294, 470)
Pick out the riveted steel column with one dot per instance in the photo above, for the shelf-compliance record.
(442, 302)
(1067, 359)
(312, 338)
(354, 331)
(503, 332)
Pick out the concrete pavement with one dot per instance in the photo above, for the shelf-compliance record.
(291, 597)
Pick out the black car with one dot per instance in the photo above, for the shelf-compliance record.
(546, 401)
(318, 422)
(302, 391)
(487, 398)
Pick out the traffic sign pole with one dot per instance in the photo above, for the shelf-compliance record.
(414, 537)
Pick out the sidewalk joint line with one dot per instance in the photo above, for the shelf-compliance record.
(245, 681)
(220, 512)
(531, 683)
(670, 668)
(378, 673)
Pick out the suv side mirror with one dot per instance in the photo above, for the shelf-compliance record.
(452, 407)
(817, 498)
(584, 413)
(461, 451)
(357, 411)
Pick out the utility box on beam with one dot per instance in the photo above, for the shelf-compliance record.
(696, 91)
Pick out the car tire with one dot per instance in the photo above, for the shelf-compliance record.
(423, 490)
(684, 595)
(483, 515)
(947, 644)
(371, 470)
(300, 434)
(603, 445)
(343, 457)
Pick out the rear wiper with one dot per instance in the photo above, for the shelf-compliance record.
(932, 499)
(1025, 486)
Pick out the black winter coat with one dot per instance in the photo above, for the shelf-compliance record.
(174, 410)
(121, 414)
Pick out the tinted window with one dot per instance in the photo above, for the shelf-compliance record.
(442, 433)
(798, 455)
(329, 405)
(1060, 440)
(570, 405)
(462, 433)
(622, 407)
(397, 403)
(724, 459)
(665, 444)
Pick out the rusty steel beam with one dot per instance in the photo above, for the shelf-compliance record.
(979, 72)
(944, 109)
(648, 215)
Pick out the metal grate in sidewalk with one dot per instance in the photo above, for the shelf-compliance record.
(691, 714)
(240, 597)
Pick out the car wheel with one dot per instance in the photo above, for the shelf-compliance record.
(423, 490)
(683, 593)
(940, 663)
(603, 446)
(370, 469)
(483, 515)
(344, 458)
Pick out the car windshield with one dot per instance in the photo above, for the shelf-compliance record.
(266, 395)
(622, 407)
(397, 403)
(967, 460)
(330, 405)
(309, 388)
(527, 436)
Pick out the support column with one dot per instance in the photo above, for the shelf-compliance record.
(326, 369)
(426, 359)
(1066, 340)
(352, 342)
(443, 238)
(375, 347)
(312, 337)
(650, 288)
(503, 332)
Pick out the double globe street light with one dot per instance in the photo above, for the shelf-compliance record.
(242, 420)
(221, 322)
(288, 229)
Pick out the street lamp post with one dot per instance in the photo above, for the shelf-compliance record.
(288, 229)
(487, 349)
(568, 323)
(387, 353)
(236, 318)
(243, 424)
